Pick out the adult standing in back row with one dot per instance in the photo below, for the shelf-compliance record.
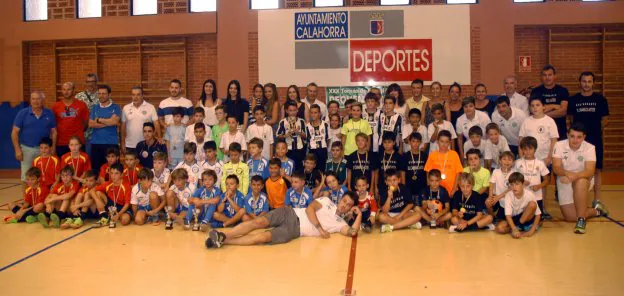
(236, 106)
(133, 116)
(104, 119)
(167, 105)
(591, 109)
(90, 97)
(72, 116)
(555, 98)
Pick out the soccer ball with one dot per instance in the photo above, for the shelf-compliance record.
(434, 206)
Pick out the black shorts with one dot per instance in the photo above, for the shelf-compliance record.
(285, 224)
(522, 226)
(499, 212)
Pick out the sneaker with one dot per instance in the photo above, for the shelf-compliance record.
(452, 228)
(203, 227)
(491, 227)
(10, 219)
(416, 225)
(217, 238)
(546, 216)
(367, 228)
(43, 219)
(580, 226)
(31, 219)
(169, 225)
(103, 221)
(67, 223)
(77, 223)
(600, 207)
(55, 221)
(386, 228)
(187, 224)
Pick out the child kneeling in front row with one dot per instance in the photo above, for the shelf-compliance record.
(34, 197)
(231, 207)
(468, 207)
(148, 198)
(178, 197)
(522, 214)
(204, 202)
(435, 205)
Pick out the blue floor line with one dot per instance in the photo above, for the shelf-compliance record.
(43, 250)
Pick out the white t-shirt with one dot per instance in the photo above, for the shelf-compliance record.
(468, 145)
(168, 104)
(574, 161)
(217, 167)
(322, 106)
(510, 129)
(519, 101)
(335, 135)
(227, 139)
(407, 131)
(210, 118)
(194, 171)
(543, 130)
(264, 133)
(184, 194)
(464, 124)
(326, 215)
(501, 183)
(200, 155)
(446, 126)
(134, 118)
(189, 135)
(141, 198)
(515, 206)
(532, 170)
(493, 151)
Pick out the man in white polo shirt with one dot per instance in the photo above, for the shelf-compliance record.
(311, 99)
(509, 120)
(175, 100)
(321, 218)
(133, 116)
(516, 100)
(471, 117)
(574, 162)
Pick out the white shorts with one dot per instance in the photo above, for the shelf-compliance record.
(566, 194)
(392, 215)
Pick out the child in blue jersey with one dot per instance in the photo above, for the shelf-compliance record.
(256, 202)
(333, 188)
(178, 197)
(204, 202)
(298, 196)
(288, 165)
(231, 208)
(258, 165)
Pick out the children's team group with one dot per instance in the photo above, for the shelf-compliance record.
(408, 167)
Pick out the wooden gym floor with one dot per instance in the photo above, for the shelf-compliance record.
(147, 260)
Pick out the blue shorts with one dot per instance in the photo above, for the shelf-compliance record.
(180, 208)
(146, 208)
(522, 226)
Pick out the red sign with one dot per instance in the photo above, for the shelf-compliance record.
(524, 64)
(391, 60)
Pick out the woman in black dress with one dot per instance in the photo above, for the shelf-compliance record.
(302, 109)
(482, 103)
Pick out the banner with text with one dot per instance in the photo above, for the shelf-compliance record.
(342, 93)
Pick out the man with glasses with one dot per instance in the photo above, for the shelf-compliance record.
(89, 97)
(72, 116)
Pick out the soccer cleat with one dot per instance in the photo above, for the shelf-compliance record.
(416, 225)
(600, 207)
(31, 219)
(580, 226)
(43, 219)
(491, 227)
(452, 228)
(386, 228)
(169, 225)
(67, 223)
(55, 221)
(187, 224)
(77, 223)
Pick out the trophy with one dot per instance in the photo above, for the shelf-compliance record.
(169, 224)
(293, 126)
(433, 209)
(112, 211)
(195, 223)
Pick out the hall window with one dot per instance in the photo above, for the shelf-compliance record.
(144, 7)
(35, 10)
(89, 8)
(203, 5)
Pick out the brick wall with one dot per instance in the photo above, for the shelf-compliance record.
(120, 65)
(253, 60)
(115, 7)
(61, 9)
(172, 6)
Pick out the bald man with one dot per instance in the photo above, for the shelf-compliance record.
(72, 117)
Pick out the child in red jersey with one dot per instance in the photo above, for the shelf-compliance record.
(33, 203)
(49, 165)
(131, 172)
(366, 203)
(83, 206)
(57, 203)
(113, 196)
(77, 159)
(112, 157)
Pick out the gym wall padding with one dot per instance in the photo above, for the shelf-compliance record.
(7, 153)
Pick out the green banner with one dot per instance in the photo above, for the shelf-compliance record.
(342, 93)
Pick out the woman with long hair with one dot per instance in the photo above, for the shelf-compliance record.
(396, 91)
(209, 101)
(303, 111)
(274, 106)
(455, 102)
(436, 98)
(256, 99)
(236, 106)
(482, 103)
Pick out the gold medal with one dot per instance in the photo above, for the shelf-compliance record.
(414, 177)
(463, 210)
(443, 177)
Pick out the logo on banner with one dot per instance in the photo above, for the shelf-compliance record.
(376, 24)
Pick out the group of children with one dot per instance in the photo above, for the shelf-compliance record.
(406, 175)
